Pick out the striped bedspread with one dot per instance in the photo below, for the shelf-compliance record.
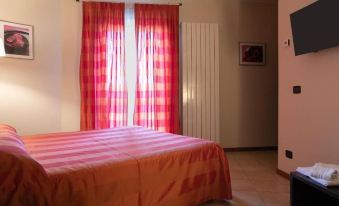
(130, 166)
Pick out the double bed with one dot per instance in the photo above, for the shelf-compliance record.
(129, 166)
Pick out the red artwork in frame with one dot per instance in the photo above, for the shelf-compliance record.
(18, 39)
(252, 54)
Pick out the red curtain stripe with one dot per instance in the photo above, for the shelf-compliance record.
(102, 68)
(157, 92)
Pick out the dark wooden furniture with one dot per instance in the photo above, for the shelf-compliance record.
(306, 192)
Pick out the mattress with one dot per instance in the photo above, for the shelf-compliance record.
(130, 166)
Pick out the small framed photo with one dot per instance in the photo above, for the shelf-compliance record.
(18, 39)
(252, 54)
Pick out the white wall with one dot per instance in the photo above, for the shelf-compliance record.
(308, 123)
(30, 89)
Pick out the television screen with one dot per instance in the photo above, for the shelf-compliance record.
(316, 27)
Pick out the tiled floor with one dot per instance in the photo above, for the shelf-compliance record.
(255, 182)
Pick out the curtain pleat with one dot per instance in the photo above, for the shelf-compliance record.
(157, 90)
(102, 67)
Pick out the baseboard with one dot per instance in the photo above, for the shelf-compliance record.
(250, 149)
(283, 174)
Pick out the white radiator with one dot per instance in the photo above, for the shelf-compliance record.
(200, 80)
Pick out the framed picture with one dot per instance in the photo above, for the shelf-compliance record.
(18, 39)
(252, 54)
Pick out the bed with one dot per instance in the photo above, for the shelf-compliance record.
(129, 166)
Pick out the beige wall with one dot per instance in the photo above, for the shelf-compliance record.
(30, 89)
(248, 95)
(71, 48)
(249, 115)
(308, 123)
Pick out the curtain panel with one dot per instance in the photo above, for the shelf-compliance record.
(157, 88)
(102, 67)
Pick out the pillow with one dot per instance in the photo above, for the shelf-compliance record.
(10, 141)
(5, 127)
(23, 181)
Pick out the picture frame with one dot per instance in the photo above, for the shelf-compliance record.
(18, 39)
(252, 54)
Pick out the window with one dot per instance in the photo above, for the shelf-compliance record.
(131, 59)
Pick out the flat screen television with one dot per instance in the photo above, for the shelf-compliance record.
(316, 27)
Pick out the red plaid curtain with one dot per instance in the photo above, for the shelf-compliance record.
(157, 91)
(102, 69)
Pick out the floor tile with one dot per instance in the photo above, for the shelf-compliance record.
(238, 174)
(242, 185)
(270, 186)
(247, 198)
(275, 199)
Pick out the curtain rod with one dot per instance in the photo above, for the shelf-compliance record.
(179, 4)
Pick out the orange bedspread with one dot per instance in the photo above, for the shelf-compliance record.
(130, 166)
